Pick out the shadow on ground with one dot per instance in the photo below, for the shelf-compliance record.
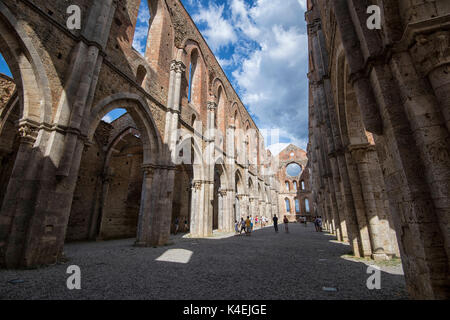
(287, 266)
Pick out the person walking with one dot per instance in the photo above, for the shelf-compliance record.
(286, 224)
(275, 223)
(316, 224)
(186, 226)
(236, 226)
(319, 223)
(242, 226)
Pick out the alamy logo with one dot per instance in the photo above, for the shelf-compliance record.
(74, 281)
(374, 281)
(374, 21)
(74, 20)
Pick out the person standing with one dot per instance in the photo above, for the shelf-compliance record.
(186, 227)
(319, 223)
(177, 223)
(236, 226)
(305, 221)
(275, 223)
(286, 224)
(248, 226)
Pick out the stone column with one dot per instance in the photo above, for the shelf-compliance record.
(359, 154)
(210, 165)
(145, 209)
(433, 61)
(197, 209)
(354, 199)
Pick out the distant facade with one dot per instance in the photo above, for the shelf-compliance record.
(294, 184)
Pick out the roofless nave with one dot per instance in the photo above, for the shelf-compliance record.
(187, 147)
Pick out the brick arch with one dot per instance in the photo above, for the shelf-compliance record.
(240, 183)
(27, 69)
(193, 56)
(138, 109)
(198, 160)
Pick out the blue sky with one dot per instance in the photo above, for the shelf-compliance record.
(4, 67)
(263, 48)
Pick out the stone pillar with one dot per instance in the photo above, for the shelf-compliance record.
(197, 209)
(355, 201)
(210, 165)
(142, 237)
(433, 61)
(359, 154)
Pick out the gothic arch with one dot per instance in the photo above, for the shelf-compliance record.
(138, 109)
(27, 68)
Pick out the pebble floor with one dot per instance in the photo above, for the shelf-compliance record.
(302, 264)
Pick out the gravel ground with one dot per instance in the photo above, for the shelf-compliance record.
(265, 265)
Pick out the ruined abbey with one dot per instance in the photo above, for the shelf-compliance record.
(379, 132)
(186, 149)
(187, 155)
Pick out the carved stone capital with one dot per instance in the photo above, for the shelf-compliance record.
(212, 106)
(196, 185)
(431, 51)
(177, 66)
(28, 133)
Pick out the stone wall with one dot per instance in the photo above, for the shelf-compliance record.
(76, 177)
(379, 133)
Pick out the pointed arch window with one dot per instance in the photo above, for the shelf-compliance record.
(297, 206)
(307, 205)
(288, 186)
(288, 205)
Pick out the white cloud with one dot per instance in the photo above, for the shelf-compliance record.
(219, 31)
(275, 149)
(273, 79)
(141, 31)
(270, 59)
(108, 118)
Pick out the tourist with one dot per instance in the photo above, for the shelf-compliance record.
(248, 226)
(319, 223)
(316, 224)
(286, 223)
(186, 226)
(256, 221)
(305, 221)
(177, 222)
(275, 223)
(236, 226)
(242, 226)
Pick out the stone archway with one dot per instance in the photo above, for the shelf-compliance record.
(155, 206)
(22, 120)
